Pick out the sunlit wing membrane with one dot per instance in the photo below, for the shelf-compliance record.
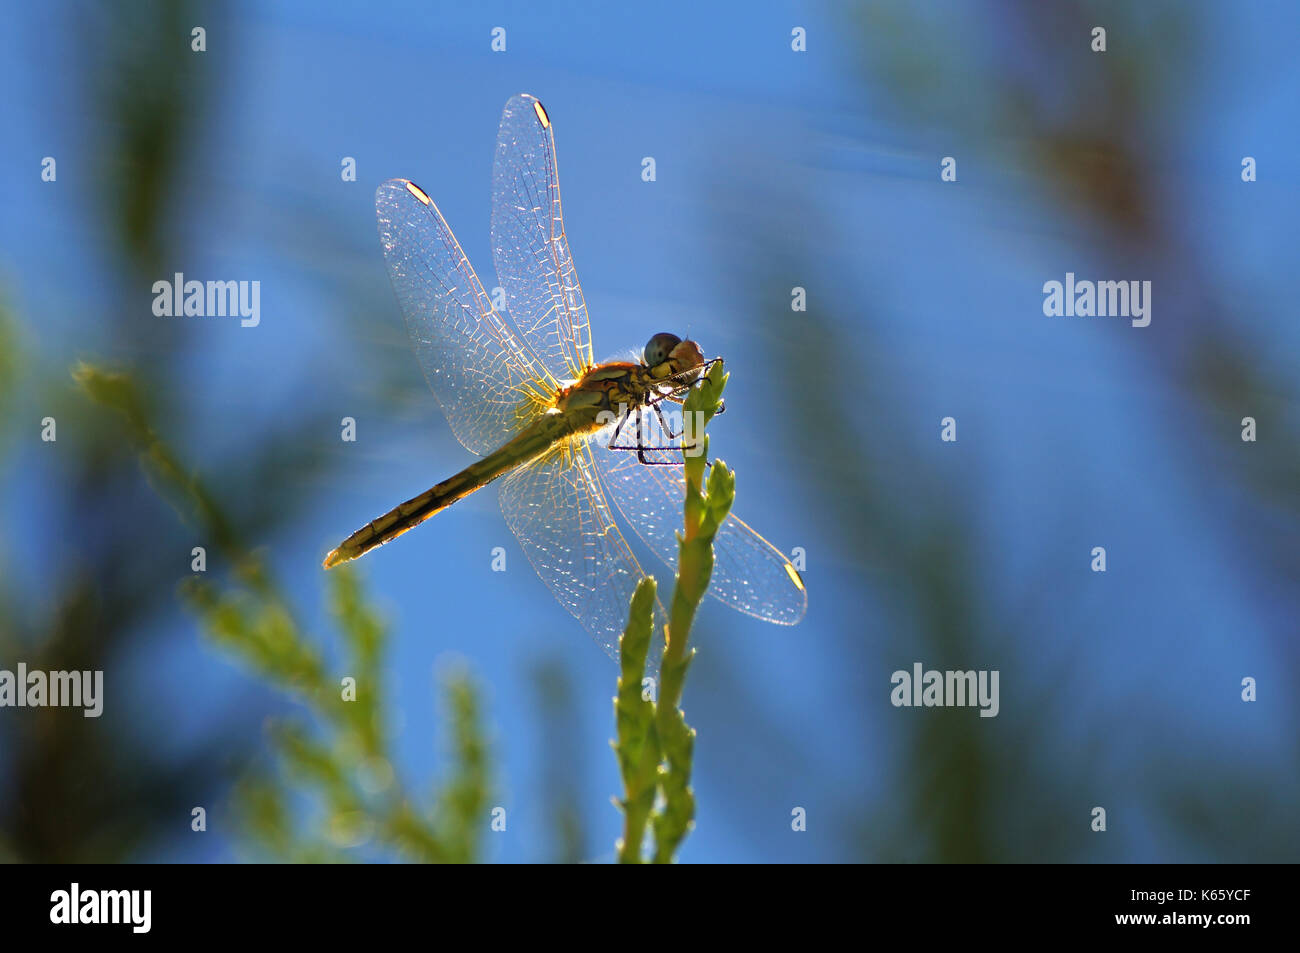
(557, 511)
(529, 246)
(482, 374)
(749, 573)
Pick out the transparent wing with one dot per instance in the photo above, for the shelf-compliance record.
(556, 509)
(529, 245)
(482, 374)
(749, 573)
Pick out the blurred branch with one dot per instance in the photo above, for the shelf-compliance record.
(345, 764)
(562, 762)
(86, 579)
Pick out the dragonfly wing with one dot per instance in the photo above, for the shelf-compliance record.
(749, 573)
(556, 508)
(529, 245)
(480, 371)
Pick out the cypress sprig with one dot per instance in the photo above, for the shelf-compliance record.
(662, 762)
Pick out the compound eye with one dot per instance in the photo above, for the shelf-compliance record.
(659, 347)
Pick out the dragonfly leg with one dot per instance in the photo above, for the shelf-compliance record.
(644, 461)
(617, 430)
(668, 431)
(640, 446)
(641, 457)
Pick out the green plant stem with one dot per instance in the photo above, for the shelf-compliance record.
(655, 745)
(703, 514)
(637, 748)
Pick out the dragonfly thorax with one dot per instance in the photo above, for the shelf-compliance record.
(607, 387)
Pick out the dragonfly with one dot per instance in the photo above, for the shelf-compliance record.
(521, 391)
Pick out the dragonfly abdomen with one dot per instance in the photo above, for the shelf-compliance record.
(528, 445)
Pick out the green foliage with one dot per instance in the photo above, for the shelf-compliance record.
(655, 745)
(333, 767)
(344, 765)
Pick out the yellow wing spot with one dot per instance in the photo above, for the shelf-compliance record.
(794, 576)
(544, 119)
(418, 193)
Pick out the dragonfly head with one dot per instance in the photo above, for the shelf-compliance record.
(667, 355)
